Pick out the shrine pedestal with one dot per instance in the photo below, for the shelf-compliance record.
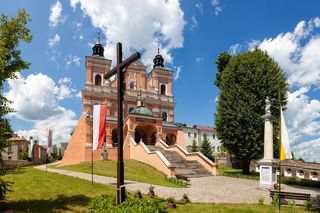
(268, 173)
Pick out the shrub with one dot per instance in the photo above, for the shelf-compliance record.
(151, 191)
(3, 190)
(261, 200)
(107, 203)
(300, 182)
(275, 200)
(138, 194)
(170, 199)
(318, 200)
(292, 203)
(308, 205)
(185, 198)
(178, 181)
(171, 203)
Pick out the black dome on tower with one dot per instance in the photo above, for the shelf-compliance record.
(97, 49)
(158, 60)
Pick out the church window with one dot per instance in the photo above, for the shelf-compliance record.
(164, 116)
(214, 137)
(97, 80)
(218, 148)
(195, 135)
(130, 109)
(132, 85)
(189, 134)
(163, 89)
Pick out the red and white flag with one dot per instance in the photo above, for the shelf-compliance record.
(99, 125)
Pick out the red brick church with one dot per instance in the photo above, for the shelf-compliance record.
(148, 112)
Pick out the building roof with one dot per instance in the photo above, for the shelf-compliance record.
(17, 138)
(206, 128)
(169, 124)
(141, 110)
(182, 125)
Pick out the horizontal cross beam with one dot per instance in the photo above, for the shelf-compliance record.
(123, 64)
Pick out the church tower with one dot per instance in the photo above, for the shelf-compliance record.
(160, 82)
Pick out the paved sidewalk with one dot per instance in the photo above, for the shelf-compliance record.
(215, 189)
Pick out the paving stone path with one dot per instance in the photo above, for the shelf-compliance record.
(214, 189)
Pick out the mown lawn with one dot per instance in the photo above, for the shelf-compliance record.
(233, 208)
(236, 173)
(33, 190)
(133, 170)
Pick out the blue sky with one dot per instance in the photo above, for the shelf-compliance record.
(191, 34)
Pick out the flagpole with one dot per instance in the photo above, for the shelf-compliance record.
(92, 146)
(280, 154)
(92, 164)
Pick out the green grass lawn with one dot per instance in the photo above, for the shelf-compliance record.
(133, 170)
(33, 190)
(233, 208)
(237, 173)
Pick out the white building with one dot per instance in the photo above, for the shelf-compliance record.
(196, 132)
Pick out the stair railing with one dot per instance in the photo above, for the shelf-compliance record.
(140, 152)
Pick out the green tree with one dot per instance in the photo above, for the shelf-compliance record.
(24, 154)
(205, 147)
(12, 31)
(245, 82)
(194, 147)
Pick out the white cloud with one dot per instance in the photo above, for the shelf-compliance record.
(308, 150)
(64, 80)
(199, 7)
(137, 28)
(302, 116)
(79, 95)
(194, 22)
(72, 59)
(297, 53)
(234, 49)
(62, 125)
(81, 37)
(216, 6)
(56, 14)
(54, 41)
(36, 100)
(177, 73)
(199, 60)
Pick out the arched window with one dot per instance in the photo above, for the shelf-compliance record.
(131, 108)
(163, 89)
(97, 80)
(164, 116)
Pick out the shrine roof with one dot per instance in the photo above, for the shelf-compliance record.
(141, 110)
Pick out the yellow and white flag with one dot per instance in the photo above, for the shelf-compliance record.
(285, 151)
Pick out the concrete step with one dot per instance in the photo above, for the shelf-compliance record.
(184, 169)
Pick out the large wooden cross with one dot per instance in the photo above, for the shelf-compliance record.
(120, 86)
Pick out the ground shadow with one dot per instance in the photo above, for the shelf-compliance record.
(60, 204)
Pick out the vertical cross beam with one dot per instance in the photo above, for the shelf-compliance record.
(120, 164)
(121, 192)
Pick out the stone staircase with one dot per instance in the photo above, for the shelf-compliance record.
(184, 169)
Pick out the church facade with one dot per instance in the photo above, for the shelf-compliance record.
(148, 108)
